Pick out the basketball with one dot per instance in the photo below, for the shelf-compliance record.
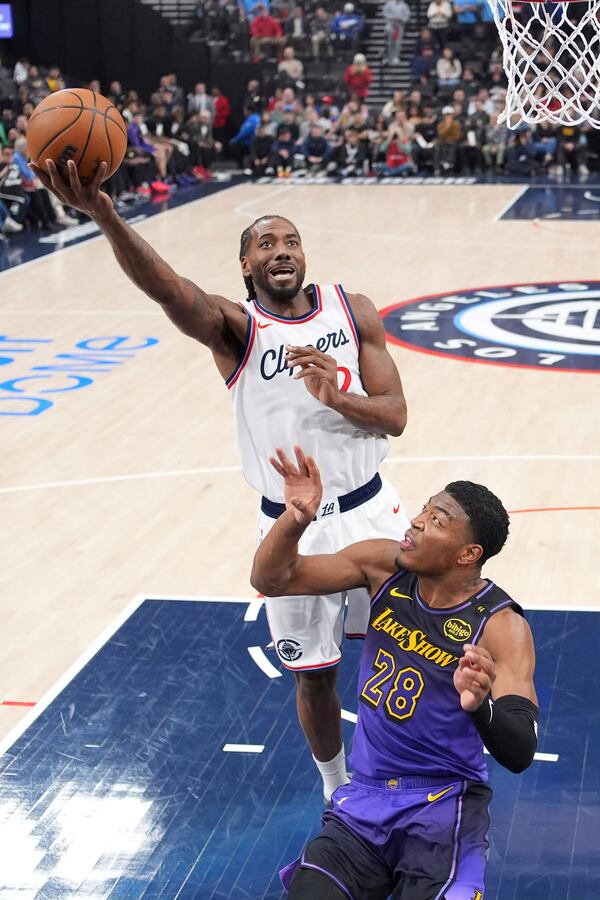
(81, 125)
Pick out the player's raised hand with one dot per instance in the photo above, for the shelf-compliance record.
(70, 191)
(474, 677)
(319, 371)
(302, 484)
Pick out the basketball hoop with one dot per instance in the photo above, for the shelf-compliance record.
(552, 61)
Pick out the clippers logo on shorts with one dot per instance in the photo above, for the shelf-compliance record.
(457, 630)
(548, 325)
(289, 650)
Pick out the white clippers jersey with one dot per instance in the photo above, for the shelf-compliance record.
(274, 410)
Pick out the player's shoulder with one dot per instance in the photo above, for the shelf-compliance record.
(507, 627)
(365, 313)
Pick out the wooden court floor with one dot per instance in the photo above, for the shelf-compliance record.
(131, 485)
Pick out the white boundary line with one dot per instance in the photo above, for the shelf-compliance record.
(70, 674)
(254, 607)
(96, 645)
(510, 203)
(95, 237)
(259, 657)
(219, 470)
(539, 757)
(243, 748)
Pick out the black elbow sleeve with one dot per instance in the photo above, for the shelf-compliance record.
(509, 727)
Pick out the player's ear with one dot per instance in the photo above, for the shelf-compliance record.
(469, 554)
(246, 271)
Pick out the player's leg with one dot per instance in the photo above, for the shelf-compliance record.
(442, 854)
(319, 712)
(310, 884)
(307, 635)
(338, 863)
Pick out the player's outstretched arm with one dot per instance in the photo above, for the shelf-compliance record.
(495, 683)
(199, 315)
(279, 570)
(384, 409)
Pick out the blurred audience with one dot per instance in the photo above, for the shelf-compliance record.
(307, 113)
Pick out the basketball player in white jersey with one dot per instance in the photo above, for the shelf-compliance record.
(301, 363)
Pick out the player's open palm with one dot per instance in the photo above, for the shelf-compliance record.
(474, 676)
(302, 484)
(71, 192)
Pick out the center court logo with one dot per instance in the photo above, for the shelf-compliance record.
(547, 325)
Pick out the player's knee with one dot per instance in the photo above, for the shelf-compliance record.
(315, 686)
(308, 884)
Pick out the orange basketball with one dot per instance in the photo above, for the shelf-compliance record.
(81, 125)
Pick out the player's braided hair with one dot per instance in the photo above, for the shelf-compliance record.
(489, 520)
(244, 241)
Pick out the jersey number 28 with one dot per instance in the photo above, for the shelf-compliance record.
(401, 694)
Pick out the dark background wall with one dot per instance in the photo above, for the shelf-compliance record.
(104, 39)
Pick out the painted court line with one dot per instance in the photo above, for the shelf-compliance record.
(69, 675)
(511, 202)
(258, 655)
(94, 647)
(220, 470)
(93, 236)
(254, 607)
(243, 748)
(17, 703)
(539, 757)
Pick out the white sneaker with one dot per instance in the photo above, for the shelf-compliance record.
(68, 221)
(11, 227)
(583, 170)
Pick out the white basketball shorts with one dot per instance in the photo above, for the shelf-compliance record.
(307, 631)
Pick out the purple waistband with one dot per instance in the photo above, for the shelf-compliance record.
(405, 782)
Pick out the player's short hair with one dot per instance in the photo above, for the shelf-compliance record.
(245, 240)
(489, 520)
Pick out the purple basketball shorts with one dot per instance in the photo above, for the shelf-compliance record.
(409, 838)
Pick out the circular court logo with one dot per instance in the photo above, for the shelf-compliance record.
(548, 325)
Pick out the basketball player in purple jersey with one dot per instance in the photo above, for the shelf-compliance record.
(447, 667)
(297, 360)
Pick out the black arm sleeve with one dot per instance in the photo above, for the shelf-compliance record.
(508, 727)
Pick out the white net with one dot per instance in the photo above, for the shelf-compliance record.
(552, 61)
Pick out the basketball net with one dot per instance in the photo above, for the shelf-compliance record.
(552, 61)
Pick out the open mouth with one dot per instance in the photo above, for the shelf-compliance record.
(282, 272)
(407, 543)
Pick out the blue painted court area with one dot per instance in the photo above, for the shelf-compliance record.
(559, 201)
(121, 787)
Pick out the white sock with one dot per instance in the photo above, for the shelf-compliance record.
(333, 773)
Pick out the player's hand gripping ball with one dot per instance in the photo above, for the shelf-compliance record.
(81, 125)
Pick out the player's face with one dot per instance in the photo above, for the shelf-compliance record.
(275, 260)
(439, 539)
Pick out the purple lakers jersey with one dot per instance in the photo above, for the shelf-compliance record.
(410, 721)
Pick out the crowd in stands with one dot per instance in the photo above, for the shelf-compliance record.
(252, 30)
(443, 124)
